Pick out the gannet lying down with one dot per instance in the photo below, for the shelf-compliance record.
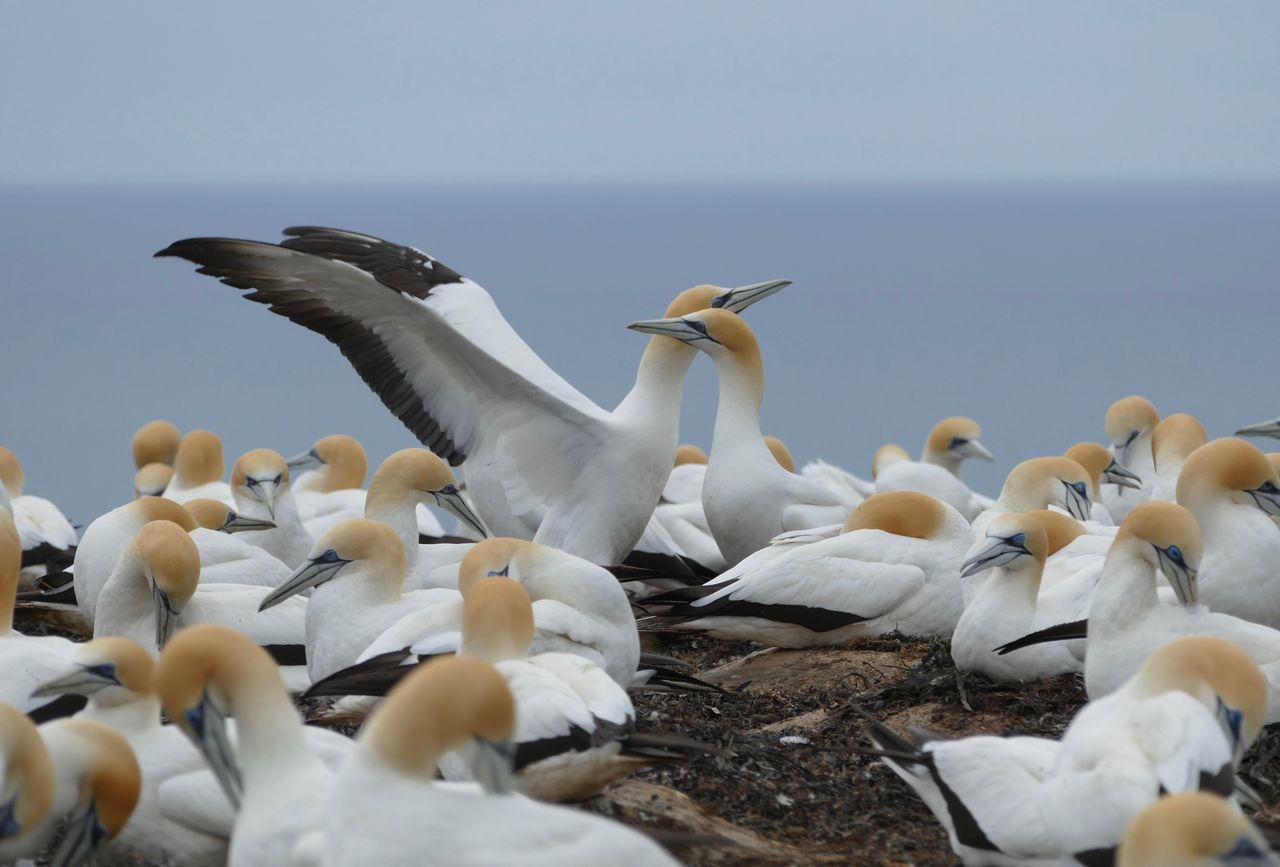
(48, 539)
(198, 469)
(937, 473)
(151, 480)
(386, 807)
(894, 567)
(1130, 423)
(436, 350)
(1039, 483)
(1181, 723)
(1194, 829)
(1175, 438)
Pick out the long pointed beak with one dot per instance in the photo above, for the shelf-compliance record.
(1182, 580)
(1261, 429)
(206, 725)
(308, 575)
(456, 504)
(492, 765)
(301, 463)
(1078, 505)
(975, 449)
(166, 615)
(997, 552)
(739, 299)
(78, 681)
(675, 328)
(267, 493)
(1118, 475)
(84, 832)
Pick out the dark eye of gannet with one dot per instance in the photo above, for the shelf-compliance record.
(277, 479)
(330, 556)
(1175, 554)
(105, 670)
(1017, 539)
(956, 442)
(1081, 488)
(700, 327)
(449, 489)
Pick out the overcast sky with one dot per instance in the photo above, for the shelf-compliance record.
(407, 90)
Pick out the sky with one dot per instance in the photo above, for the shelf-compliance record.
(158, 91)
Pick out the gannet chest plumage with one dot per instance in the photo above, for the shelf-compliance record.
(447, 364)
(894, 567)
(1102, 468)
(198, 469)
(1175, 438)
(1130, 423)
(1039, 483)
(387, 809)
(1234, 493)
(747, 495)
(1193, 829)
(261, 489)
(48, 539)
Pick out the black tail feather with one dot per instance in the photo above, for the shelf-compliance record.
(1062, 632)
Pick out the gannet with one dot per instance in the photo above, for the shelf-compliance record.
(1102, 468)
(117, 676)
(333, 463)
(1003, 607)
(1039, 483)
(937, 473)
(156, 442)
(1130, 423)
(950, 443)
(48, 539)
(1234, 492)
(198, 469)
(680, 511)
(260, 486)
(387, 809)
(1193, 829)
(747, 496)
(1262, 429)
(1175, 438)
(780, 453)
(209, 673)
(435, 349)
(151, 479)
(224, 558)
(26, 783)
(894, 567)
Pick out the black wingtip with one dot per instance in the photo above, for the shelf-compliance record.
(1062, 632)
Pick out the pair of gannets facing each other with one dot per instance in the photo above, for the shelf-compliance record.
(155, 448)
(48, 539)
(1130, 424)
(450, 367)
(1193, 829)
(1181, 723)
(893, 567)
(937, 473)
(77, 775)
(747, 496)
(1041, 483)
(198, 469)
(1174, 440)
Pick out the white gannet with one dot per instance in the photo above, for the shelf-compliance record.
(937, 473)
(387, 809)
(1175, 438)
(355, 573)
(950, 443)
(26, 783)
(1234, 492)
(1102, 468)
(155, 590)
(156, 442)
(151, 479)
(1039, 483)
(894, 567)
(1262, 429)
(1003, 607)
(48, 539)
(333, 463)
(261, 488)
(198, 469)
(436, 350)
(224, 558)
(685, 482)
(117, 676)
(747, 495)
(1193, 829)
(26, 660)
(209, 673)
(680, 510)
(1129, 425)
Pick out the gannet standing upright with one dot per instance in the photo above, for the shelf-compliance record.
(1130, 423)
(436, 350)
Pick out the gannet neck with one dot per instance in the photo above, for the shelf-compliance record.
(654, 400)
(737, 427)
(12, 478)
(199, 460)
(10, 567)
(1127, 588)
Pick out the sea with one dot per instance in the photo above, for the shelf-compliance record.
(1029, 307)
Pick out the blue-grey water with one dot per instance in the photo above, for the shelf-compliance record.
(1028, 307)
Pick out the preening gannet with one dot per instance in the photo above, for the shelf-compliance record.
(26, 783)
(1175, 438)
(894, 567)
(262, 489)
(387, 808)
(434, 347)
(198, 469)
(1193, 829)
(156, 442)
(1234, 493)
(48, 539)
(1102, 468)
(1039, 483)
(151, 479)
(747, 496)
(1130, 423)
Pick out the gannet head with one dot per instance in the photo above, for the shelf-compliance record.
(690, 454)
(217, 515)
(461, 703)
(902, 513)
(734, 300)
(341, 456)
(356, 545)
(199, 459)
(109, 790)
(1229, 469)
(1218, 674)
(156, 442)
(1014, 539)
(26, 786)
(887, 456)
(260, 475)
(486, 559)
(957, 437)
(1101, 466)
(145, 509)
(422, 474)
(1059, 529)
(716, 332)
(1128, 419)
(1167, 536)
(11, 474)
(1176, 437)
(497, 620)
(1261, 429)
(170, 563)
(1042, 482)
(151, 480)
(112, 670)
(780, 453)
(203, 673)
(1193, 829)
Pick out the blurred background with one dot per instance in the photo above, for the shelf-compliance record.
(1017, 212)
